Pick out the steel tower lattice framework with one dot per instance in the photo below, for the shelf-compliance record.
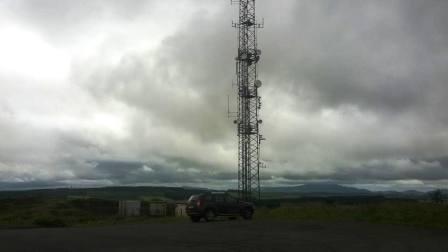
(249, 102)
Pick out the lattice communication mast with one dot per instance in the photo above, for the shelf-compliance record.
(249, 102)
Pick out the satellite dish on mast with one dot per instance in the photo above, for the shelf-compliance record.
(258, 83)
(258, 52)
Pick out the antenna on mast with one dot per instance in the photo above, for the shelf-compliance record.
(249, 101)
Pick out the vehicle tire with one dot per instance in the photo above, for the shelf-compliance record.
(209, 215)
(247, 214)
(195, 218)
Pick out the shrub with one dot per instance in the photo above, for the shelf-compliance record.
(437, 196)
(49, 222)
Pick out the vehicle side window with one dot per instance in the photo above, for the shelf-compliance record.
(208, 197)
(219, 198)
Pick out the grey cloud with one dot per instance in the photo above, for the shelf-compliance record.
(184, 84)
(381, 56)
(350, 91)
(65, 18)
(364, 55)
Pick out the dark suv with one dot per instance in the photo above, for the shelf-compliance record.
(211, 205)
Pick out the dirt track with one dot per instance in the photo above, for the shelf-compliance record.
(234, 235)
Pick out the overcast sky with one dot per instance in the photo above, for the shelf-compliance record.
(104, 92)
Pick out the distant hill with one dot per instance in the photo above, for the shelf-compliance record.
(315, 190)
(329, 190)
(319, 189)
(411, 194)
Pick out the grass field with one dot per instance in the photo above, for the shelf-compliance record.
(38, 212)
(406, 212)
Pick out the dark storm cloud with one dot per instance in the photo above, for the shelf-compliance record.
(353, 92)
(117, 169)
(381, 170)
(173, 170)
(30, 185)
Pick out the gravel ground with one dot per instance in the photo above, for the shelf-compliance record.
(236, 235)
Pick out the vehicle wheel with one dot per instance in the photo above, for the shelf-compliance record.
(247, 214)
(195, 218)
(209, 215)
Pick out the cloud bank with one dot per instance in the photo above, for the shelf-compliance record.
(100, 93)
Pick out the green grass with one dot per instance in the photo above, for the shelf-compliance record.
(38, 212)
(405, 213)
(32, 212)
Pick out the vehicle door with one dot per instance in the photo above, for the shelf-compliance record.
(232, 205)
(220, 203)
